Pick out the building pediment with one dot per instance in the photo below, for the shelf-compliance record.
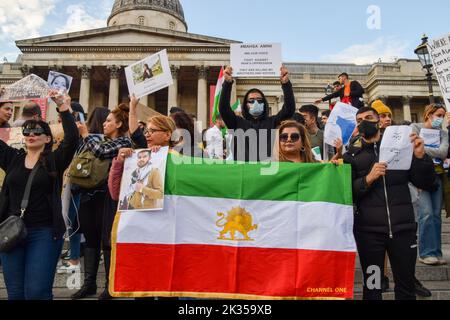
(124, 36)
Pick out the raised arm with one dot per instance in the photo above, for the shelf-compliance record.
(66, 150)
(288, 109)
(225, 110)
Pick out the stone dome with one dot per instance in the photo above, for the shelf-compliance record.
(153, 13)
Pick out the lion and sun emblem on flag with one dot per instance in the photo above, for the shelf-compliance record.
(236, 225)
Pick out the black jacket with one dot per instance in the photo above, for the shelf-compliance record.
(57, 161)
(248, 122)
(356, 93)
(371, 211)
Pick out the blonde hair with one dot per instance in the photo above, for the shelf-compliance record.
(432, 109)
(164, 123)
(306, 154)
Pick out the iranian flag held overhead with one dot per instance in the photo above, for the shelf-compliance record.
(286, 236)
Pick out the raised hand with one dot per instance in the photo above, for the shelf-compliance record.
(228, 74)
(284, 75)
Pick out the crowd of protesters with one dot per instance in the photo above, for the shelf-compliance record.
(391, 207)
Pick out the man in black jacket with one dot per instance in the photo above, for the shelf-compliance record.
(384, 217)
(351, 92)
(248, 145)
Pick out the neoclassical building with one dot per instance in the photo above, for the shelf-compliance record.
(138, 28)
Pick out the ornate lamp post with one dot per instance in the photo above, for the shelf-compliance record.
(425, 59)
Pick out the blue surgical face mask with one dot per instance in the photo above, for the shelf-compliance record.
(437, 123)
(256, 109)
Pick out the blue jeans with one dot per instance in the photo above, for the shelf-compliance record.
(430, 222)
(29, 270)
(75, 238)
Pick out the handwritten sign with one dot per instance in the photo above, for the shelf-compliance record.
(396, 148)
(440, 55)
(256, 60)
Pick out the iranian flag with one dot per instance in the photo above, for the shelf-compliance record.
(217, 94)
(285, 236)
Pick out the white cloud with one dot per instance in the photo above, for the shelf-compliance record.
(20, 19)
(385, 48)
(80, 20)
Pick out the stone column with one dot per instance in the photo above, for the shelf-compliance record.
(407, 108)
(85, 87)
(202, 96)
(173, 89)
(114, 72)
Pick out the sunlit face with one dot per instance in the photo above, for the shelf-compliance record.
(6, 112)
(36, 139)
(290, 141)
(155, 136)
(342, 79)
(111, 126)
(385, 120)
(143, 159)
(324, 120)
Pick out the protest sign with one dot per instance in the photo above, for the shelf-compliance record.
(431, 137)
(149, 75)
(256, 60)
(440, 55)
(28, 88)
(341, 124)
(396, 148)
(59, 81)
(142, 186)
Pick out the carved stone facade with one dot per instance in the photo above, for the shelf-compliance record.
(96, 59)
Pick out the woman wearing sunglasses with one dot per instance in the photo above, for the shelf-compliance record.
(294, 144)
(29, 269)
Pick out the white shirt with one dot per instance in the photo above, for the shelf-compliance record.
(214, 143)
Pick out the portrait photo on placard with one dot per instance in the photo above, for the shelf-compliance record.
(59, 81)
(142, 186)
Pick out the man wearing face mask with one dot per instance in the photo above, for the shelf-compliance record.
(255, 116)
(384, 215)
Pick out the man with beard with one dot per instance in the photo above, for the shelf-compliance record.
(146, 186)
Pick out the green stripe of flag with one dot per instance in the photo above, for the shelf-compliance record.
(293, 182)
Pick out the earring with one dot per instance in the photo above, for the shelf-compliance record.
(302, 149)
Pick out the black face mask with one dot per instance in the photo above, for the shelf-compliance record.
(368, 129)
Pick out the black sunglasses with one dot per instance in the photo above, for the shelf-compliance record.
(35, 131)
(285, 137)
(252, 101)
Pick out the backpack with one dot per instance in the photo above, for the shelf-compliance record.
(88, 171)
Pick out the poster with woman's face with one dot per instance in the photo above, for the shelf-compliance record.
(59, 81)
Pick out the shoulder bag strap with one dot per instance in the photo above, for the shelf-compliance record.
(26, 195)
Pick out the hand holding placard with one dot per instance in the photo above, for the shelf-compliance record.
(228, 74)
(284, 77)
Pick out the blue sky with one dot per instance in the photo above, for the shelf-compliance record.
(313, 31)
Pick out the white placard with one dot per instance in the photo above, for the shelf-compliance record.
(261, 60)
(431, 137)
(440, 55)
(341, 124)
(149, 75)
(142, 185)
(59, 81)
(396, 148)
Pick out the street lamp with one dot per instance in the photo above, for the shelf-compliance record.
(425, 59)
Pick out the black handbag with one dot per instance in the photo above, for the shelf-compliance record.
(13, 230)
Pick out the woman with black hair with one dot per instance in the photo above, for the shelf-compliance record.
(29, 269)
